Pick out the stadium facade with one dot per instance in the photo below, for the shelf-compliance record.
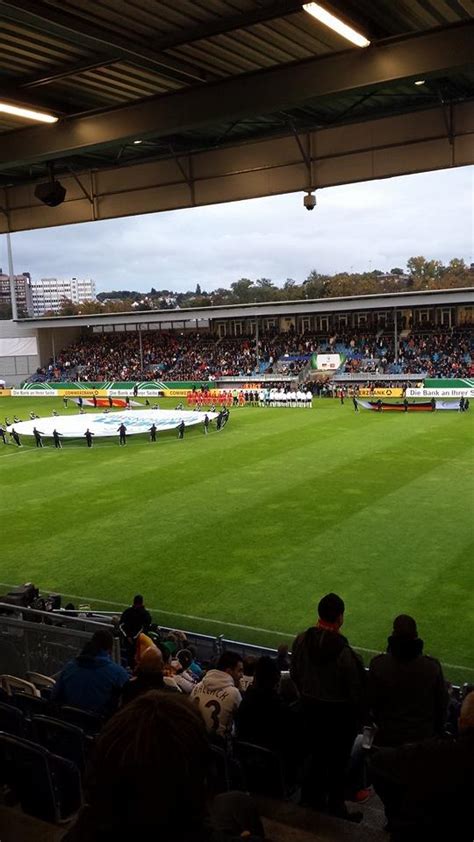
(28, 344)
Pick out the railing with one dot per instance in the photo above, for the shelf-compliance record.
(42, 641)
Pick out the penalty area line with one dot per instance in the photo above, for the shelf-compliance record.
(221, 623)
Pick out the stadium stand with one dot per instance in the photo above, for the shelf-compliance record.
(266, 745)
(202, 356)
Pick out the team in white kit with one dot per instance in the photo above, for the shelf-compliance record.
(279, 397)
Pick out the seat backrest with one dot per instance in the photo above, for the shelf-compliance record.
(12, 720)
(263, 769)
(90, 722)
(46, 785)
(60, 738)
(12, 684)
(41, 682)
(30, 705)
(25, 769)
(219, 771)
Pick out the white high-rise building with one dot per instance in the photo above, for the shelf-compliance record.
(49, 292)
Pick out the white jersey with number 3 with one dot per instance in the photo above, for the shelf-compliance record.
(218, 699)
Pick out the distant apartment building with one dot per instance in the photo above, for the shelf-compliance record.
(23, 291)
(48, 293)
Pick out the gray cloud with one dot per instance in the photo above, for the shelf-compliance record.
(373, 225)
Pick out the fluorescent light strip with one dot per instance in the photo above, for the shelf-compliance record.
(336, 24)
(27, 113)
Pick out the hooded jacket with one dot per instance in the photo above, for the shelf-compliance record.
(326, 669)
(218, 699)
(91, 682)
(407, 693)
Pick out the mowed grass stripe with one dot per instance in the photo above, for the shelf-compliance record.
(252, 524)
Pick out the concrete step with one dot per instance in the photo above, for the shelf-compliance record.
(288, 822)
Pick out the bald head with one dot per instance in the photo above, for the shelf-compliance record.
(151, 660)
(466, 718)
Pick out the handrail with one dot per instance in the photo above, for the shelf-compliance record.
(7, 610)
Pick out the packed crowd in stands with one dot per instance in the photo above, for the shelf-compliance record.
(314, 722)
(202, 356)
(428, 354)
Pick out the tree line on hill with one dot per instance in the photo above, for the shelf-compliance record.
(419, 274)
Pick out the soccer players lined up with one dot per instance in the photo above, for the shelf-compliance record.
(250, 397)
(279, 397)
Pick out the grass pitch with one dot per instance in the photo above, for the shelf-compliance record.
(242, 531)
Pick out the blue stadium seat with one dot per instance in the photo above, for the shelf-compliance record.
(12, 720)
(47, 786)
(263, 770)
(30, 705)
(61, 738)
(87, 720)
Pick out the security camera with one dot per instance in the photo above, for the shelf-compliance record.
(309, 201)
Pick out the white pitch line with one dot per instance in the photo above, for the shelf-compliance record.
(220, 623)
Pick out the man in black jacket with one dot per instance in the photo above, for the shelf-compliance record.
(428, 787)
(331, 680)
(407, 692)
(136, 618)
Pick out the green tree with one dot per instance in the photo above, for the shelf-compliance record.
(244, 291)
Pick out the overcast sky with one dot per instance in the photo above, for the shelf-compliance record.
(378, 224)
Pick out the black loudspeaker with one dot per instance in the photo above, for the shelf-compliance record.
(51, 193)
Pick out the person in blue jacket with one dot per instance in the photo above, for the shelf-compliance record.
(92, 681)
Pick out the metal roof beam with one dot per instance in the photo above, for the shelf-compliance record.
(65, 25)
(242, 97)
(65, 70)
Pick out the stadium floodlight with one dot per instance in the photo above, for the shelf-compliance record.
(27, 113)
(336, 24)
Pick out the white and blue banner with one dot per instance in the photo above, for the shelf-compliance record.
(106, 424)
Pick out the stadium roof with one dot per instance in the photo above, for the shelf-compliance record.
(425, 298)
(228, 100)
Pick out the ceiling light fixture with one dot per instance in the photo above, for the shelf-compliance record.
(27, 113)
(336, 24)
(420, 82)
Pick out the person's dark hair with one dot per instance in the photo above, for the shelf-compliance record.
(331, 607)
(250, 664)
(147, 755)
(138, 600)
(101, 641)
(228, 661)
(185, 658)
(405, 626)
(267, 673)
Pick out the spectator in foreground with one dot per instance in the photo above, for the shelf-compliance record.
(331, 680)
(407, 692)
(148, 676)
(428, 787)
(92, 680)
(148, 780)
(283, 659)
(264, 720)
(218, 695)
